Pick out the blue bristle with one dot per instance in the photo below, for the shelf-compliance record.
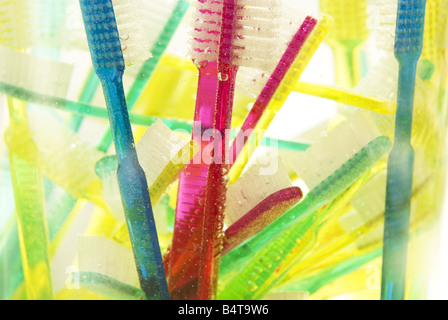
(410, 24)
(102, 34)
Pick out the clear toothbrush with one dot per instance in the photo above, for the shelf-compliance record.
(273, 84)
(108, 62)
(407, 49)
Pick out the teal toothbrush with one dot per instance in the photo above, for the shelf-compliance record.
(408, 48)
(108, 62)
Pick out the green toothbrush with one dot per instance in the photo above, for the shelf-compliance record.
(285, 234)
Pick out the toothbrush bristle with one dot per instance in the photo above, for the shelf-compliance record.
(155, 16)
(133, 37)
(410, 23)
(66, 159)
(384, 20)
(102, 34)
(206, 30)
(256, 28)
(17, 24)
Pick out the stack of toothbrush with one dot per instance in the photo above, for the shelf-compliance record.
(145, 157)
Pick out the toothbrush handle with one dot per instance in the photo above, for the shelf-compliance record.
(132, 97)
(215, 193)
(399, 184)
(396, 224)
(142, 228)
(118, 113)
(11, 271)
(134, 191)
(187, 235)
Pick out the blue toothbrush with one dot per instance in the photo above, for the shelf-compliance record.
(408, 48)
(108, 63)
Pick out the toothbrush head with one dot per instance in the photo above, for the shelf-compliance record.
(115, 32)
(409, 26)
(160, 14)
(205, 32)
(102, 34)
(350, 18)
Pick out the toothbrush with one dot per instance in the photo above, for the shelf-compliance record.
(270, 101)
(206, 55)
(407, 49)
(190, 198)
(215, 191)
(108, 62)
(366, 218)
(322, 169)
(347, 36)
(234, 51)
(288, 233)
(30, 208)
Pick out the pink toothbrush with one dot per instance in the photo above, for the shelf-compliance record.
(272, 85)
(234, 19)
(210, 40)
